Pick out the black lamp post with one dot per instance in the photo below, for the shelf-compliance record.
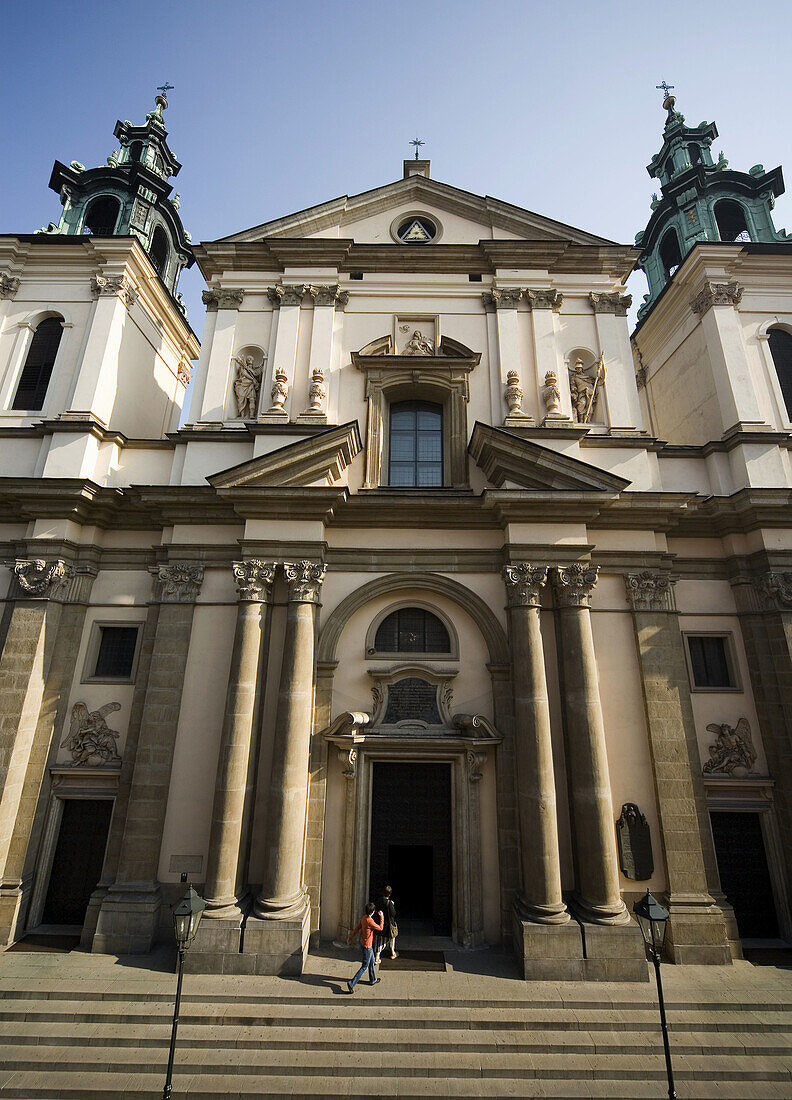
(652, 919)
(186, 918)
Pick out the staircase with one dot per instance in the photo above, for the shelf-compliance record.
(89, 1031)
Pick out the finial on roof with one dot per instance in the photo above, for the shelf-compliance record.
(417, 143)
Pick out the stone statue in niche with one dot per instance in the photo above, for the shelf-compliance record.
(635, 844)
(279, 391)
(732, 751)
(247, 385)
(585, 388)
(90, 740)
(551, 394)
(316, 391)
(418, 345)
(514, 393)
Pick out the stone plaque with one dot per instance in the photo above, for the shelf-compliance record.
(635, 844)
(412, 699)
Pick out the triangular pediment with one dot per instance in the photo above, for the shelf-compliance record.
(365, 218)
(503, 456)
(318, 459)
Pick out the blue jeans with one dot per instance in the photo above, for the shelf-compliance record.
(367, 964)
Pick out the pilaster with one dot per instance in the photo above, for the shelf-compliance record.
(225, 304)
(129, 914)
(620, 391)
(696, 930)
(545, 307)
(287, 301)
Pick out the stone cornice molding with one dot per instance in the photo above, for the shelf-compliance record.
(775, 590)
(253, 579)
(179, 583)
(544, 299)
(115, 285)
(304, 579)
(616, 304)
(574, 583)
(37, 577)
(324, 456)
(502, 297)
(524, 583)
(650, 590)
(716, 294)
(9, 285)
(222, 299)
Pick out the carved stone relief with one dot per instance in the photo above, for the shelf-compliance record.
(40, 578)
(544, 299)
(635, 844)
(524, 583)
(254, 579)
(617, 304)
(475, 761)
(180, 583)
(650, 590)
(9, 285)
(184, 372)
(222, 299)
(776, 589)
(304, 579)
(732, 751)
(573, 584)
(415, 336)
(503, 297)
(90, 740)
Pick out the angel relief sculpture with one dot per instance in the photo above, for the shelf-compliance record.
(733, 750)
(247, 385)
(90, 740)
(418, 344)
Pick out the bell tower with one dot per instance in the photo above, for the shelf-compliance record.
(701, 199)
(129, 196)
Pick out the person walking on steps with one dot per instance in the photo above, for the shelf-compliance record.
(366, 926)
(387, 938)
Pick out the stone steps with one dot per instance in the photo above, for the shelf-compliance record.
(88, 1038)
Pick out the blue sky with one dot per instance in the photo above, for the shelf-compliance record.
(280, 105)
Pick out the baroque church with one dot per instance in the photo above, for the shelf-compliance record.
(440, 578)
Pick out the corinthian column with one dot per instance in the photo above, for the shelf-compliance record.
(540, 899)
(225, 885)
(598, 894)
(283, 895)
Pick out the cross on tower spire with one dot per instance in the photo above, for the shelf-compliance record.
(165, 88)
(664, 88)
(417, 145)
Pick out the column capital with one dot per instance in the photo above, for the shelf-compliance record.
(222, 299)
(180, 583)
(544, 299)
(573, 584)
(650, 590)
(304, 579)
(716, 294)
(327, 295)
(287, 295)
(9, 285)
(523, 583)
(116, 285)
(253, 579)
(616, 303)
(775, 590)
(503, 297)
(37, 577)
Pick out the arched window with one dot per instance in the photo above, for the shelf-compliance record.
(416, 444)
(669, 168)
(694, 155)
(38, 366)
(730, 218)
(159, 251)
(670, 256)
(781, 350)
(101, 216)
(411, 630)
(136, 150)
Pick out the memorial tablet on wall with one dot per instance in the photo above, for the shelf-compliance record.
(635, 844)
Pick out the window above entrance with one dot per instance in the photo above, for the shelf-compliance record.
(413, 629)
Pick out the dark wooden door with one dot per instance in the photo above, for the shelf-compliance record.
(411, 844)
(744, 874)
(78, 859)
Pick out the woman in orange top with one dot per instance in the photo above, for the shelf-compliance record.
(366, 926)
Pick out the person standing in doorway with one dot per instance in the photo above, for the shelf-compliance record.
(366, 926)
(387, 938)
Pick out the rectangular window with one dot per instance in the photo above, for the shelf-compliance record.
(112, 652)
(710, 662)
(416, 445)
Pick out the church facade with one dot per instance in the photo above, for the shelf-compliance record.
(443, 579)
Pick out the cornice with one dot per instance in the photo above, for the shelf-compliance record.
(283, 503)
(322, 457)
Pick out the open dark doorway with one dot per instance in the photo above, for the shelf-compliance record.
(744, 874)
(411, 844)
(79, 855)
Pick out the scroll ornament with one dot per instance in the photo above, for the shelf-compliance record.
(523, 583)
(573, 584)
(649, 590)
(304, 579)
(36, 576)
(254, 579)
(180, 583)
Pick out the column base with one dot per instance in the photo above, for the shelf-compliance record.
(696, 931)
(541, 914)
(578, 952)
(277, 946)
(217, 948)
(614, 953)
(128, 920)
(10, 913)
(233, 908)
(587, 912)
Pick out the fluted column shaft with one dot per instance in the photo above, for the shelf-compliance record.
(598, 893)
(541, 899)
(283, 895)
(225, 869)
